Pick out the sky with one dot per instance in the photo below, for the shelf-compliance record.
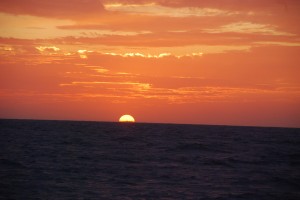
(226, 62)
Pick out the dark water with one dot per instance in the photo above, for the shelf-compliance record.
(93, 160)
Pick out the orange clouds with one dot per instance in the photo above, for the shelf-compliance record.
(64, 9)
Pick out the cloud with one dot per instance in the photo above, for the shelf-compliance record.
(248, 27)
(63, 9)
(158, 10)
(48, 48)
(167, 39)
(233, 5)
(145, 24)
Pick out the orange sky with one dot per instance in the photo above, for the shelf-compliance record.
(182, 61)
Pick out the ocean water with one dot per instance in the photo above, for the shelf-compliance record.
(97, 160)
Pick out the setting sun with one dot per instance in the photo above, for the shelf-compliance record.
(126, 118)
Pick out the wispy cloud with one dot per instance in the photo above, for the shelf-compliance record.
(154, 9)
(249, 27)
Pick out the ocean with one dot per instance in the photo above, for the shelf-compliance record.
(103, 160)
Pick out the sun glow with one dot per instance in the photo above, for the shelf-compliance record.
(126, 118)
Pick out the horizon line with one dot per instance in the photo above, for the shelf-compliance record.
(142, 122)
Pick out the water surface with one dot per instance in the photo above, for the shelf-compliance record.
(97, 160)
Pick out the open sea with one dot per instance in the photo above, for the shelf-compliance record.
(102, 160)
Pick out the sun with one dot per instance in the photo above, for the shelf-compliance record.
(126, 118)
